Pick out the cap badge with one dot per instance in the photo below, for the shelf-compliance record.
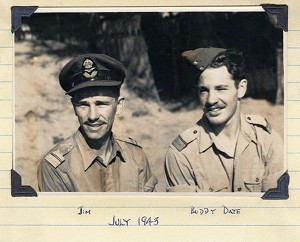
(89, 69)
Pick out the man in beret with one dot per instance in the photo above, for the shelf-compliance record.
(94, 159)
(226, 151)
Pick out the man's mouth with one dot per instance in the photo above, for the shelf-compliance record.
(94, 126)
(214, 111)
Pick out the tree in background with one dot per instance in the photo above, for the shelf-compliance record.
(150, 46)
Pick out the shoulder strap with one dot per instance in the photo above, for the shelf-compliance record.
(185, 138)
(259, 121)
(128, 140)
(56, 156)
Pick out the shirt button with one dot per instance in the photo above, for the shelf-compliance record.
(257, 179)
(248, 118)
(210, 189)
(195, 131)
(239, 189)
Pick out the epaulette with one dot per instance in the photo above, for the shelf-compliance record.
(128, 140)
(260, 121)
(56, 156)
(185, 138)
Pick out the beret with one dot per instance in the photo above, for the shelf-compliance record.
(201, 57)
(91, 70)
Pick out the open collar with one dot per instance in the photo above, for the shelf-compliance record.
(245, 136)
(90, 155)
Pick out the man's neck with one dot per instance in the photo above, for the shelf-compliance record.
(225, 137)
(229, 131)
(96, 144)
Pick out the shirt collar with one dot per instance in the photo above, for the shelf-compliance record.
(89, 155)
(205, 141)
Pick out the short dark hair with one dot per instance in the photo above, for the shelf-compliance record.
(234, 62)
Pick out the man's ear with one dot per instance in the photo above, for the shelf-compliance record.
(74, 105)
(242, 88)
(120, 106)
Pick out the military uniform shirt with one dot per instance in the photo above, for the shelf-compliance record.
(194, 164)
(71, 166)
(225, 151)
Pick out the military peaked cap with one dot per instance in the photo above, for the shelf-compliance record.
(91, 70)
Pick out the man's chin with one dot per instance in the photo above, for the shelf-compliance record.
(216, 121)
(94, 136)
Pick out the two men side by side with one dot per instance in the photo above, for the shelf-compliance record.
(226, 151)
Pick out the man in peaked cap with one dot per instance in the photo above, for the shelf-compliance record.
(94, 159)
(226, 151)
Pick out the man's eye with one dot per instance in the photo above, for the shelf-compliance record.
(221, 88)
(102, 103)
(202, 90)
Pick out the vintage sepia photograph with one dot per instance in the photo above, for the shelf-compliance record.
(144, 101)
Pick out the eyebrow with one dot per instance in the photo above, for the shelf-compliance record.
(205, 87)
(81, 102)
(97, 102)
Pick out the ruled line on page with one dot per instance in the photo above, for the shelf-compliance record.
(160, 225)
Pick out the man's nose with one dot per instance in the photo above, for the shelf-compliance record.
(93, 114)
(212, 97)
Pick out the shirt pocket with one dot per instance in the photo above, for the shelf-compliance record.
(253, 180)
(214, 184)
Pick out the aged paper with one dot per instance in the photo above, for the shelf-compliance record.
(155, 217)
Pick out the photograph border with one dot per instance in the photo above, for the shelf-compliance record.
(281, 11)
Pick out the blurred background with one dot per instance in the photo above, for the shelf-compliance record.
(161, 98)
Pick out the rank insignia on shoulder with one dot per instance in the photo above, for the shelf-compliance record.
(179, 143)
(56, 156)
(185, 138)
(260, 121)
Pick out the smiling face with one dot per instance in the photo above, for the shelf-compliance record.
(219, 95)
(96, 109)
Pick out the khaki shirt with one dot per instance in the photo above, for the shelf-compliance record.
(194, 164)
(71, 166)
